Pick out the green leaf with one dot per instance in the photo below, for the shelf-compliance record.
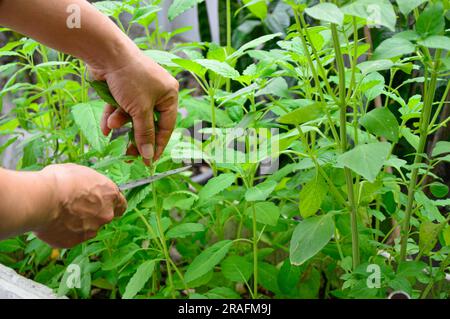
(366, 159)
(277, 86)
(207, 260)
(266, 213)
(436, 42)
(184, 230)
(410, 268)
(428, 236)
(372, 85)
(431, 20)
(139, 279)
(376, 12)
(191, 66)
(412, 139)
(309, 237)
(375, 65)
(222, 293)
(438, 189)
(381, 122)
(253, 44)
(304, 113)
(120, 256)
(87, 117)
(312, 195)
(260, 191)
(215, 185)
(180, 6)
(406, 6)
(102, 90)
(257, 7)
(393, 47)
(221, 68)
(328, 12)
(162, 57)
(440, 148)
(237, 268)
(288, 277)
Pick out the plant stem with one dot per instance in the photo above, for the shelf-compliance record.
(255, 254)
(343, 138)
(228, 81)
(424, 131)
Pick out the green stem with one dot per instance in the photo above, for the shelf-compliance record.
(255, 254)
(424, 131)
(228, 81)
(343, 138)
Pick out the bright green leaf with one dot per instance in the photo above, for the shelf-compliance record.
(328, 12)
(366, 159)
(139, 279)
(309, 237)
(381, 122)
(261, 191)
(312, 195)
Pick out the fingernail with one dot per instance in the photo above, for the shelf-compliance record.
(147, 151)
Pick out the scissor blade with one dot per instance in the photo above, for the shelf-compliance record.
(149, 180)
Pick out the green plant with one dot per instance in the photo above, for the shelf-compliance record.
(349, 126)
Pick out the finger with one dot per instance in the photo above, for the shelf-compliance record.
(109, 109)
(118, 119)
(166, 124)
(120, 205)
(144, 135)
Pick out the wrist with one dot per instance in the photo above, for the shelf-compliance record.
(46, 200)
(115, 54)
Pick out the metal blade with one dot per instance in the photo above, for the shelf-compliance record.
(149, 180)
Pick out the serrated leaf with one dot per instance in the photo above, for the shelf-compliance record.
(304, 113)
(267, 213)
(180, 6)
(309, 237)
(184, 230)
(366, 159)
(87, 117)
(237, 268)
(120, 256)
(428, 236)
(207, 260)
(102, 90)
(162, 57)
(381, 122)
(328, 12)
(143, 273)
(221, 68)
(311, 196)
(261, 191)
(252, 44)
(215, 185)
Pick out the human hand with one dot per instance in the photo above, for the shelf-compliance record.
(84, 201)
(140, 87)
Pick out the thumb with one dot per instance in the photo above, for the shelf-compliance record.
(144, 135)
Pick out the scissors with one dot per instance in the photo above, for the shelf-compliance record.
(149, 180)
